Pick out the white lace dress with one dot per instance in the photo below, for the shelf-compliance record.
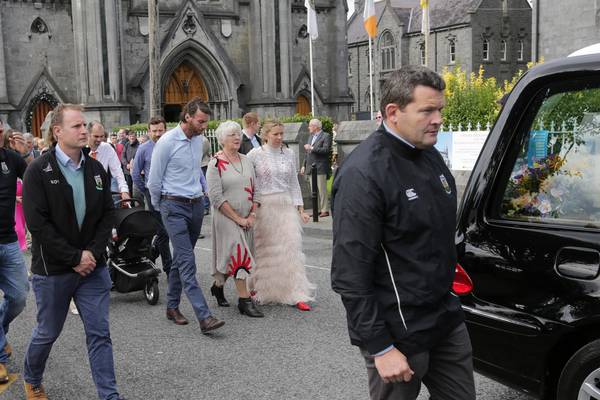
(279, 276)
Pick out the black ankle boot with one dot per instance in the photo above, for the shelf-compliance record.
(219, 295)
(246, 306)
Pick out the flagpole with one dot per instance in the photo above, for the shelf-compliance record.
(312, 81)
(371, 76)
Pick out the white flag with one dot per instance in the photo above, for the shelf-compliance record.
(311, 19)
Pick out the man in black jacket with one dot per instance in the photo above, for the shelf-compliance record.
(250, 139)
(68, 207)
(394, 205)
(13, 273)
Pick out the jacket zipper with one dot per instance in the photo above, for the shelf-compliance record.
(387, 259)
(44, 260)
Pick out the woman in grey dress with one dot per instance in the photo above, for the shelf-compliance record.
(230, 178)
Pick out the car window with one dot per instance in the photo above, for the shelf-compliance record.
(556, 177)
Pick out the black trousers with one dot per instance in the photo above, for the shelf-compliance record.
(446, 370)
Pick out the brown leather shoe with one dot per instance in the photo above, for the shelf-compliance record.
(33, 392)
(174, 315)
(3, 374)
(210, 324)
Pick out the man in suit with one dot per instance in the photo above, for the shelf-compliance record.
(250, 138)
(318, 152)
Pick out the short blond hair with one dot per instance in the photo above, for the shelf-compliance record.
(267, 127)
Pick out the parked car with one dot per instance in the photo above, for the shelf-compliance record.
(528, 236)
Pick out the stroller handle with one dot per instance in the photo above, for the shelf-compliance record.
(131, 202)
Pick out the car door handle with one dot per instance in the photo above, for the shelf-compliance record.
(577, 263)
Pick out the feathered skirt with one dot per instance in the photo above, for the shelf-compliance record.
(280, 275)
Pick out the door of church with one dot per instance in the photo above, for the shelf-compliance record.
(41, 109)
(185, 83)
(302, 105)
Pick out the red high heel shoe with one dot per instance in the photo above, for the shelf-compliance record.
(302, 306)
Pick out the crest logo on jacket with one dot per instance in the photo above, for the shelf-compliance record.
(47, 168)
(445, 184)
(4, 168)
(98, 180)
(411, 194)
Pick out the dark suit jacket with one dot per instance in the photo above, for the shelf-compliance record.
(246, 145)
(320, 155)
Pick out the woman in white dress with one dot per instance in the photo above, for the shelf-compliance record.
(230, 178)
(280, 276)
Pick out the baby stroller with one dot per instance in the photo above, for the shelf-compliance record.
(131, 251)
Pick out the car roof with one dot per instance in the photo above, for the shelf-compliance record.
(591, 49)
(588, 62)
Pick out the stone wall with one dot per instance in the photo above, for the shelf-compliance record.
(27, 54)
(566, 26)
(490, 22)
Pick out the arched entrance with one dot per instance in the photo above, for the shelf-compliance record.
(302, 105)
(40, 110)
(184, 84)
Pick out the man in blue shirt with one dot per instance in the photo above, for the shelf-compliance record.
(139, 173)
(175, 189)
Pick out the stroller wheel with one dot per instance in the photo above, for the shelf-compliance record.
(151, 291)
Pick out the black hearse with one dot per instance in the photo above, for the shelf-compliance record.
(528, 236)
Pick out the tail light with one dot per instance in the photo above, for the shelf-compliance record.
(462, 283)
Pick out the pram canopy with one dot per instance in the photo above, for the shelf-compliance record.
(135, 222)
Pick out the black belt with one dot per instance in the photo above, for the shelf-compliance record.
(182, 199)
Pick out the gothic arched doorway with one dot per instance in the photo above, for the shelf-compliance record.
(302, 105)
(184, 84)
(40, 110)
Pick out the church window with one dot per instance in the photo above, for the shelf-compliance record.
(39, 26)
(388, 52)
(486, 50)
(422, 54)
(520, 51)
(452, 51)
(503, 50)
(349, 64)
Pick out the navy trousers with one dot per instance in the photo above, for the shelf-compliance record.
(91, 295)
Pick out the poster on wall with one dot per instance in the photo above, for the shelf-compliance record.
(444, 146)
(466, 147)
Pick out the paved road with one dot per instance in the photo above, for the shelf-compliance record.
(287, 355)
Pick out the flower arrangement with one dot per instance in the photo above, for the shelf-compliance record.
(540, 190)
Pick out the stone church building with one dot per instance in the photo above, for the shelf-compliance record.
(239, 55)
(495, 34)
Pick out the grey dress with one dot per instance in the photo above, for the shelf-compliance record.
(232, 246)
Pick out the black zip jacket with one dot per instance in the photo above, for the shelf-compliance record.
(57, 241)
(393, 202)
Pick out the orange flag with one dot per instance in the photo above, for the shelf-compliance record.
(370, 18)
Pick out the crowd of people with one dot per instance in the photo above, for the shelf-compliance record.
(250, 186)
(394, 209)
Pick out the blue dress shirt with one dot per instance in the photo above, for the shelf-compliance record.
(141, 163)
(175, 167)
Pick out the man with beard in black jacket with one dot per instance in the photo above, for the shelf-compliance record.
(68, 209)
(394, 213)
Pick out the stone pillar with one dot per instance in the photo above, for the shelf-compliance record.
(270, 38)
(154, 58)
(99, 76)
